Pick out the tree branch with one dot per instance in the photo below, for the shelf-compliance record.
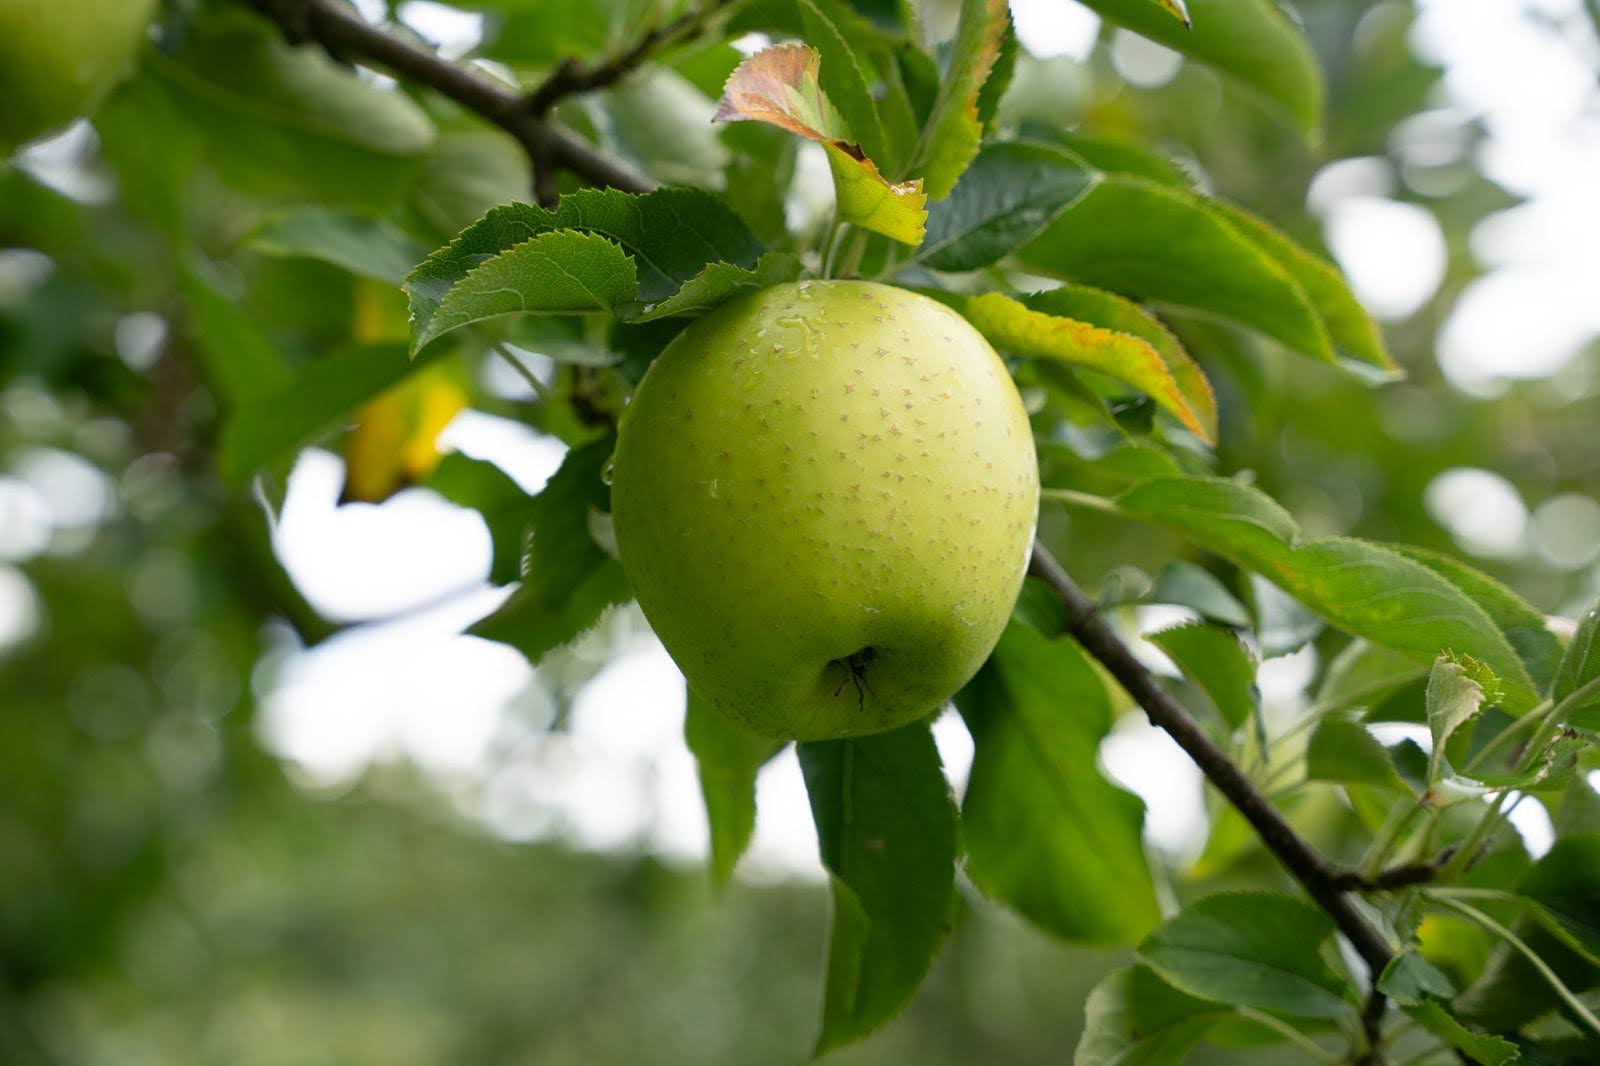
(1404, 875)
(572, 76)
(549, 144)
(1321, 880)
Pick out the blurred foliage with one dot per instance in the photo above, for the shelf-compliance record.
(170, 893)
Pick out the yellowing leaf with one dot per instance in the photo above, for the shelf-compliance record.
(1009, 324)
(954, 129)
(395, 439)
(780, 86)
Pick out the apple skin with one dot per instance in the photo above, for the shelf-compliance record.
(825, 496)
(59, 59)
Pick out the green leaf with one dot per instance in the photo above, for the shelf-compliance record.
(1579, 666)
(1488, 1050)
(568, 579)
(1110, 311)
(843, 76)
(358, 243)
(1014, 326)
(672, 233)
(1007, 197)
(1156, 243)
(950, 139)
(1343, 750)
(1364, 673)
(563, 272)
(1353, 332)
(1454, 698)
(1411, 980)
(506, 509)
(1251, 949)
(543, 34)
(729, 757)
(1363, 588)
(1198, 589)
(1524, 626)
(1134, 1018)
(657, 120)
(290, 121)
(239, 361)
(500, 230)
(1115, 156)
(274, 426)
(1218, 662)
(1566, 883)
(887, 830)
(720, 282)
(1046, 834)
(1252, 40)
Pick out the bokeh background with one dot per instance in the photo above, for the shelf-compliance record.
(262, 803)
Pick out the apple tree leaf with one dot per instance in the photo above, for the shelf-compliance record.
(1364, 673)
(1251, 40)
(1046, 834)
(1250, 949)
(1008, 195)
(781, 86)
(729, 757)
(1484, 1048)
(1365, 589)
(272, 427)
(1454, 698)
(1014, 326)
(288, 123)
(1580, 666)
(1216, 660)
(671, 233)
(1110, 311)
(1116, 155)
(1524, 626)
(1343, 750)
(954, 129)
(843, 76)
(239, 360)
(1134, 1018)
(568, 580)
(718, 283)
(672, 237)
(562, 272)
(1353, 332)
(1165, 245)
(1422, 990)
(361, 244)
(886, 826)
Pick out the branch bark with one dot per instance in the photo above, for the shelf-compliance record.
(1322, 880)
(549, 144)
(572, 76)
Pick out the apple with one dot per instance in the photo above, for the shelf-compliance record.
(59, 59)
(825, 494)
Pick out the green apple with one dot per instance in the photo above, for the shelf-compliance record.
(59, 58)
(825, 494)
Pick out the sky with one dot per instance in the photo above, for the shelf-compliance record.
(473, 717)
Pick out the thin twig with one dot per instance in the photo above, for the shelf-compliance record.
(573, 76)
(342, 31)
(1403, 875)
(1319, 878)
